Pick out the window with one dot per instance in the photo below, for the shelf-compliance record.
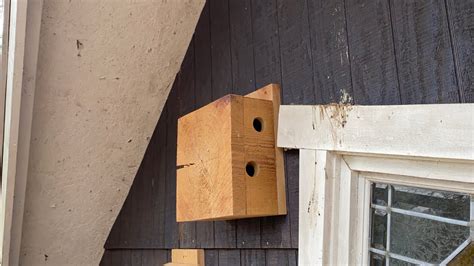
(417, 225)
(379, 184)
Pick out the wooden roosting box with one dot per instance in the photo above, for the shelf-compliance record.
(228, 165)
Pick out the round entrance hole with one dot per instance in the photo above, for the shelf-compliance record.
(251, 168)
(258, 124)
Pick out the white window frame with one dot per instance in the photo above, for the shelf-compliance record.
(343, 149)
(20, 55)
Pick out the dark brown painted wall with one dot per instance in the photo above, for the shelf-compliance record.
(378, 51)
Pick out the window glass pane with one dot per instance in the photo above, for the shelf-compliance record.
(379, 229)
(379, 194)
(377, 260)
(423, 239)
(395, 262)
(440, 203)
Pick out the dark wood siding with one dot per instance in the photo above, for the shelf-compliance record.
(377, 51)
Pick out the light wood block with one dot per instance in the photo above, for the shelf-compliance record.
(228, 166)
(178, 264)
(188, 256)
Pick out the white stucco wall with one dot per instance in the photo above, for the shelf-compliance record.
(104, 71)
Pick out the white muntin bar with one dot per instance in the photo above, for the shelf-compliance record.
(389, 255)
(389, 223)
(424, 215)
(472, 218)
(456, 252)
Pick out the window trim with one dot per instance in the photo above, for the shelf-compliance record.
(343, 149)
(24, 22)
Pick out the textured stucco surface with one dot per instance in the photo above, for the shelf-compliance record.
(104, 71)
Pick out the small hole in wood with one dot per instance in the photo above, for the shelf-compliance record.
(251, 168)
(258, 124)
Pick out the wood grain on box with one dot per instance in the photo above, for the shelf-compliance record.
(227, 160)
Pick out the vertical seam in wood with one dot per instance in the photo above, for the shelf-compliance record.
(461, 97)
(394, 50)
(210, 48)
(287, 192)
(164, 177)
(279, 49)
(253, 44)
(214, 236)
(212, 97)
(310, 52)
(231, 68)
(193, 43)
(265, 256)
(194, 70)
(348, 50)
(231, 86)
(252, 30)
(240, 250)
(165, 165)
(285, 157)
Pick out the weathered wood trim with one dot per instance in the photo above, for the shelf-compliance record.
(335, 200)
(343, 149)
(311, 173)
(436, 131)
(4, 62)
(455, 171)
(24, 32)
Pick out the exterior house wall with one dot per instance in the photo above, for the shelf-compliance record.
(105, 69)
(365, 52)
